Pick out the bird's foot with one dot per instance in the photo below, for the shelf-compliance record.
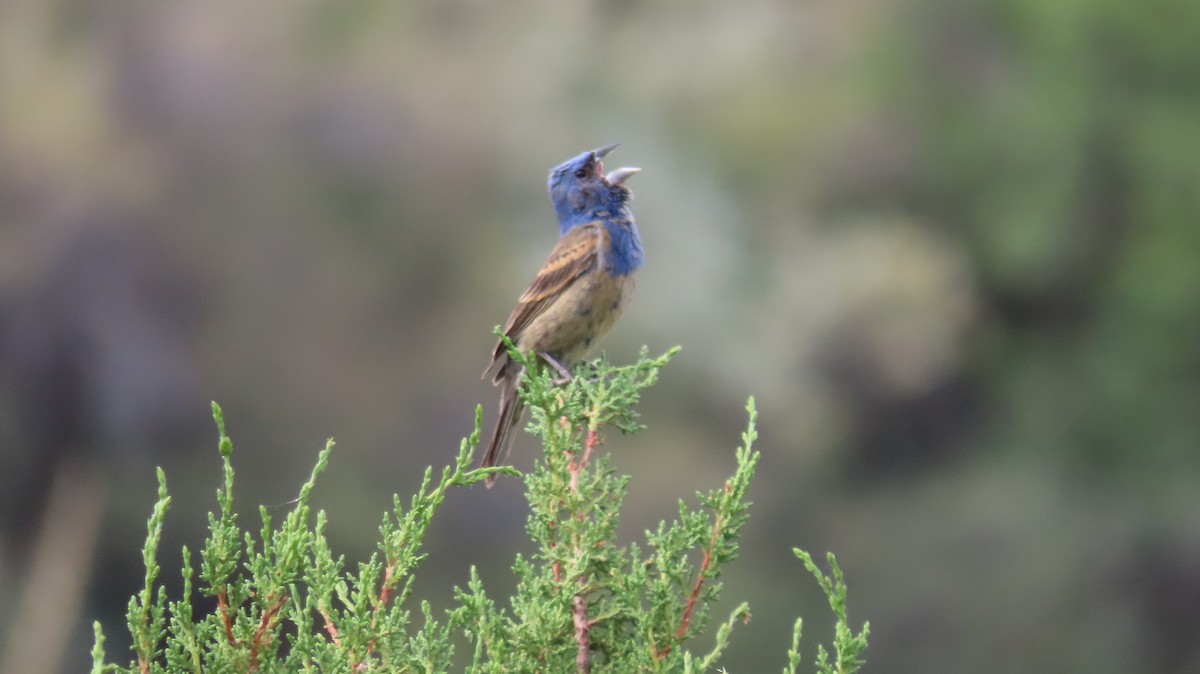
(564, 375)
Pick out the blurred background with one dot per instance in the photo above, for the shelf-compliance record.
(950, 245)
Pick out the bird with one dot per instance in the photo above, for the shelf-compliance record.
(580, 290)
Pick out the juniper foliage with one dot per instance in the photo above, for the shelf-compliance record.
(584, 602)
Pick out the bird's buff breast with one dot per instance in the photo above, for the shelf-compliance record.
(580, 316)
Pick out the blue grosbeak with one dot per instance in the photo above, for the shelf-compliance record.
(579, 291)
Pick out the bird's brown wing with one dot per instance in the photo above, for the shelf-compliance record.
(577, 253)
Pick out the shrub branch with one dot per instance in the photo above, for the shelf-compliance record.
(584, 600)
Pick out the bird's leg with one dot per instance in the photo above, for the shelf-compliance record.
(563, 373)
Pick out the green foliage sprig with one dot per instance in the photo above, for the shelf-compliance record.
(583, 603)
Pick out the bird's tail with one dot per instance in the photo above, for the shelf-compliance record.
(511, 408)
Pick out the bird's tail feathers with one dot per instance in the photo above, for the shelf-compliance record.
(511, 408)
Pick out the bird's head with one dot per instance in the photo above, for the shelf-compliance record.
(579, 187)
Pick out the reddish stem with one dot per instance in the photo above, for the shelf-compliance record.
(582, 627)
(691, 602)
(331, 629)
(579, 603)
(593, 441)
(696, 587)
(223, 608)
(264, 624)
(385, 593)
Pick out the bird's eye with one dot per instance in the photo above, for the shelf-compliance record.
(580, 173)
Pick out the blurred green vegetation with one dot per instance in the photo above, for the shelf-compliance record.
(950, 245)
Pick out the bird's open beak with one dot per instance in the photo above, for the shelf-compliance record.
(599, 153)
(618, 176)
(602, 152)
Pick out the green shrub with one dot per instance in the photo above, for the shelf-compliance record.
(285, 603)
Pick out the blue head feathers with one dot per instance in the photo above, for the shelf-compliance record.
(582, 194)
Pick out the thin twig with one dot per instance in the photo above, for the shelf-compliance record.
(263, 625)
(582, 627)
(699, 584)
(593, 441)
(385, 592)
(223, 608)
(331, 629)
(579, 604)
(691, 602)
